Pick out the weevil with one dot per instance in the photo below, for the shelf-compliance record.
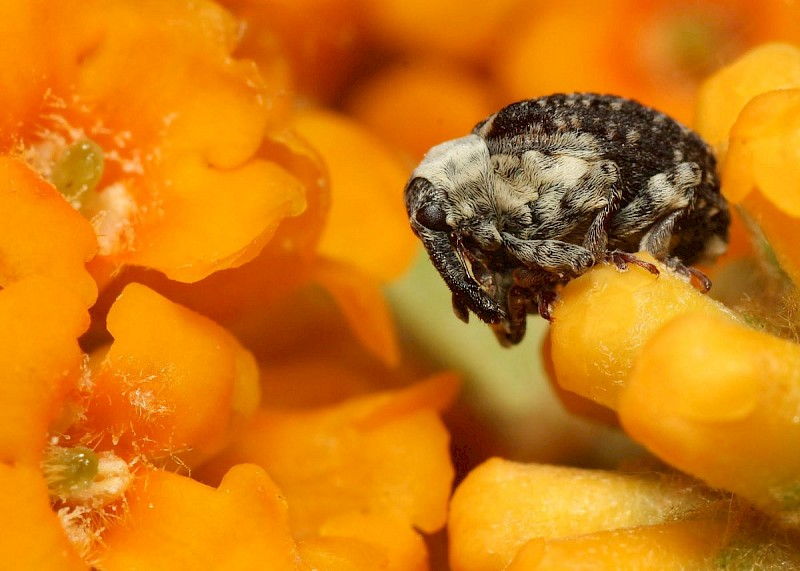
(544, 189)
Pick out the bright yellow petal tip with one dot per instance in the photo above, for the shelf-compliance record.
(719, 401)
(603, 318)
(723, 96)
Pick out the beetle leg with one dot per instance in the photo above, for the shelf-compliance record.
(545, 301)
(700, 277)
(460, 307)
(658, 237)
(512, 329)
(596, 240)
(552, 256)
(664, 195)
(621, 260)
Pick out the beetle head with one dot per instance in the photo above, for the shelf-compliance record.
(450, 208)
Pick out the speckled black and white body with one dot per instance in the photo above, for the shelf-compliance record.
(544, 189)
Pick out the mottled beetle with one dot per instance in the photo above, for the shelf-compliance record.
(544, 189)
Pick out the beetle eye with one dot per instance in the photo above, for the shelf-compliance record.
(432, 217)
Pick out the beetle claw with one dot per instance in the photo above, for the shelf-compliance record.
(460, 308)
(621, 260)
(701, 280)
(544, 304)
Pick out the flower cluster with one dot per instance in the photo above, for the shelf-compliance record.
(201, 207)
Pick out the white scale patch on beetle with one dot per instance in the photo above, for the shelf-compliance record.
(543, 189)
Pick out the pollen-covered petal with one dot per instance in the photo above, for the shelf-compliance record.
(355, 456)
(173, 522)
(173, 383)
(185, 187)
(720, 401)
(602, 319)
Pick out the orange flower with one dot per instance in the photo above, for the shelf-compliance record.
(445, 100)
(173, 384)
(514, 516)
(40, 355)
(32, 537)
(243, 525)
(453, 28)
(658, 52)
(46, 292)
(355, 456)
(174, 522)
(238, 232)
(402, 546)
(733, 424)
(750, 111)
(758, 131)
(183, 163)
(603, 318)
(685, 544)
(364, 201)
(724, 94)
(141, 128)
(323, 51)
(366, 240)
(689, 381)
(330, 246)
(45, 237)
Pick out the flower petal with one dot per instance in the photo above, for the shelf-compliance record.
(184, 121)
(208, 230)
(361, 301)
(662, 547)
(324, 52)
(341, 554)
(171, 381)
(403, 546)
(173, 522)
(719, 400)
(367, 226)
(460, 30)
(603, 318)
(32, 537)
(724, 95)
(355, 456)
(445, 101)
(764, 151)
(503, 505)
(41, 234)
(41, 360)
